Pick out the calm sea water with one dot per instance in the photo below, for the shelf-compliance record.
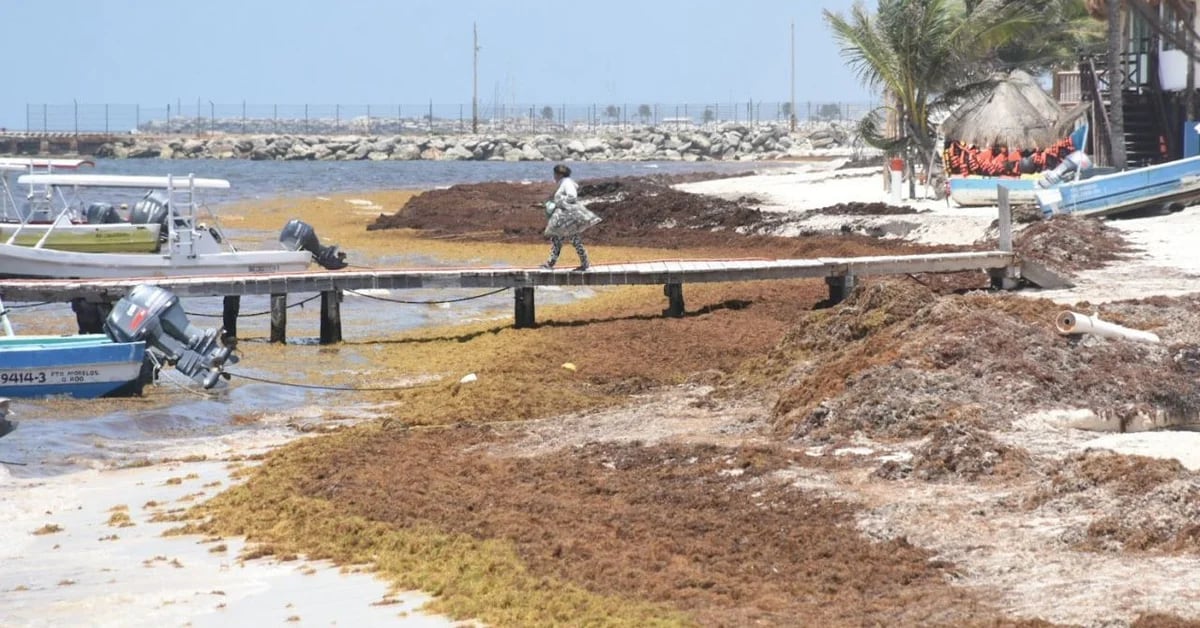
(265, 179)
(63, 435)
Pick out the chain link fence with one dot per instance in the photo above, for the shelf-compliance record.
(207, 117)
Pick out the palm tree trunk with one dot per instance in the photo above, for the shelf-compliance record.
(1116, 84)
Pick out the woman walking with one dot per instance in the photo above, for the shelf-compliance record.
(567, 218)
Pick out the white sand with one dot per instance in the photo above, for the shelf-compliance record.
(96, 573)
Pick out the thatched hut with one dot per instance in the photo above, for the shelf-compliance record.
(1015, 113)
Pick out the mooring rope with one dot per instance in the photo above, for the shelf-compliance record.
(276, 382)
(263, 313)
(436, 302)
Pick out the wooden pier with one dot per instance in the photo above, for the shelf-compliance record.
(839, 273)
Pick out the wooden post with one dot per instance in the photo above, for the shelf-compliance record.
(90, 315)
(231, 307)
(1006, 233)
(279, 318)
(1004, 278)
(839, 288)
(524, 310)
(674, 294)
(331, 317)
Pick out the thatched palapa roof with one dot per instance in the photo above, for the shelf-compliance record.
(1016, 113)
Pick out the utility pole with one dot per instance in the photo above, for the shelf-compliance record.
(792, 108)
(475, 81)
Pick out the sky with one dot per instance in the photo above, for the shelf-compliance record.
(359, 52)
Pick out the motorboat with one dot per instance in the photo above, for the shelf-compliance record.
(1167, 186)
(96, 228)
(146, 330)
(190, 240)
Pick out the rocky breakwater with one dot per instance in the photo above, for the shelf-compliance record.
(725, 142)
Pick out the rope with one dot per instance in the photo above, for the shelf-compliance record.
(263, 313)
(276, 382)
(458, 300)
(25, 305)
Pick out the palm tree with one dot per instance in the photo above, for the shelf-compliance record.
(924, 55)
(1116, 85)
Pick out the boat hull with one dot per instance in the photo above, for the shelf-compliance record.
(31, 263)
(107, 238)
(1162, 186)
(92, 366)
(979, 191)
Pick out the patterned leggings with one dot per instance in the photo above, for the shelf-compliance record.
(556, 243)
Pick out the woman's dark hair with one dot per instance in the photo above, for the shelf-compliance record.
(562, 170)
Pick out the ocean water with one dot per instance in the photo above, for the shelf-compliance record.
(58, 436)
(266, 179)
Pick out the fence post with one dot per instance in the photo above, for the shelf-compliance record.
(243, 117)
(431, 115)
(76, 103)
(44, 108)
(137, 117)
(306, 118)
(275, 117)
(106, 118)
(399, 120)
(168, 118)
(368, 119)
(337, 118)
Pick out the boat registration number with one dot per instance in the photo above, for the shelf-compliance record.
(22, 377)
(71, 376)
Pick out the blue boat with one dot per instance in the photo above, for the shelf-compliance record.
(83, 366)
(145, 329)
(977, 190)
(1169, 186)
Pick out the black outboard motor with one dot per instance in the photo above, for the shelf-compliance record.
(154, 315)
(298, 235)
(151, 210)
(101, 214)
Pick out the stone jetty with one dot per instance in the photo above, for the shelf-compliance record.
(726, 142)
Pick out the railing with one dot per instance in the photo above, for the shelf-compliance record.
(206, 117)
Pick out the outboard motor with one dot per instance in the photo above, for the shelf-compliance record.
(298, 235)
(101, 214)
(151, 210)
(1076, 162)
(154, 315)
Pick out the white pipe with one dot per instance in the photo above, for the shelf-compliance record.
(1075, 323)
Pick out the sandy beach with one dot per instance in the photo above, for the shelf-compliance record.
(88, 547)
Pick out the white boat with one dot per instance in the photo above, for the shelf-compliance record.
(97, 229)
(10, 211)
(190, 247)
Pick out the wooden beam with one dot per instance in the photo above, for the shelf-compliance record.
(644, 273)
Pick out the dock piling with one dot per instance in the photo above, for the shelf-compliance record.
(523, 305)
(331, 316)
(674, 294)
(279, 318)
